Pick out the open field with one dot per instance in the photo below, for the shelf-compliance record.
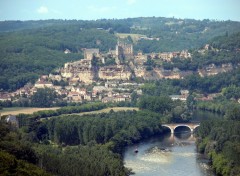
(106, 110)
(135, 37)
(18, 110)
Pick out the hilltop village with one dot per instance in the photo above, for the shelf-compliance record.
(111, 76)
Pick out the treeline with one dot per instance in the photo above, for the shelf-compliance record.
(162, 104)
(117, 25)
(219, 105)
(25, 119)
(173, 111)
(220, 141)
(226, 42)
(214, 106)
(121, 128)
(176, 34)
(225, 103)
(150, 26)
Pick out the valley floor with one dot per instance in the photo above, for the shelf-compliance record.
(24, 110)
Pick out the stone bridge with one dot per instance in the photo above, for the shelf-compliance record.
(173, 126)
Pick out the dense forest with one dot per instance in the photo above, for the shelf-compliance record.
(16, 156)
(219, 140)
(27, 54)
(73, 145)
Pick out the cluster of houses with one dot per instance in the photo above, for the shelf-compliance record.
(182, 97)
(212, 69)
(110, 83)
(109, 91)
(168, 56)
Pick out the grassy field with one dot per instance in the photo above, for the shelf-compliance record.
(106, 110)
(135, 37)
(18, 110)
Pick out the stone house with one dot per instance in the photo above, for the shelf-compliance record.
(41, 83)
(5, 97)
(12, 119)
(74, 96)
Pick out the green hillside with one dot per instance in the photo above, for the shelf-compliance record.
(27, 54)
(31, 48)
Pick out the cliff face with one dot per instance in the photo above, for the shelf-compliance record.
(115, 72)
(212, 69)
(87, 73)
(82, 69)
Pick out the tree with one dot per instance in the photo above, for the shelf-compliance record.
(233, 113)
(44, 97)
(134, 97)
(129, 38)
(157, 104)
(191, 101)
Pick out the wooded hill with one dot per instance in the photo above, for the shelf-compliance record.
(31, 48)
(175, 34)
(221, 50)
(27, 54)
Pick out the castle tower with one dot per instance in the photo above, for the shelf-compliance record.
(124, 51)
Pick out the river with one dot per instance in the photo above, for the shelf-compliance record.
(167, 155)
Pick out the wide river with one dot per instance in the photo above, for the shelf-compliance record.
(167, 155)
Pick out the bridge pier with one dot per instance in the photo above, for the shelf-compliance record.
(171, 138)
(191, 130)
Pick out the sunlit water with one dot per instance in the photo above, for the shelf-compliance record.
(166, 155)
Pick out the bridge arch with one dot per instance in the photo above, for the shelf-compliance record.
(172, 127)
(183, 125)
(196, 128)
(172, 130)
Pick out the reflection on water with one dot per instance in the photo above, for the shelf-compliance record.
(167, 155)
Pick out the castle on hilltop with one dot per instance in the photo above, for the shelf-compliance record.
(90, 53)
(124, 50)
